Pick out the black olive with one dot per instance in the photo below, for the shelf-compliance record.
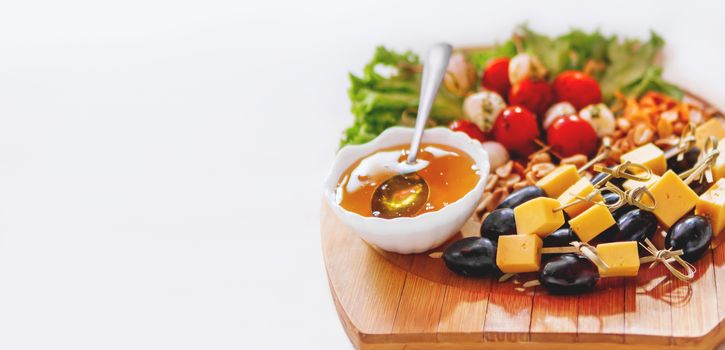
(569, 274)
(566, 223)
(566, 220)
(692, 234)
(618, 181)
(686, 163)
(499, 222)
(611, 198)
(560, 238)
(521, 196)
(598, 177)
(608, 235)
(471, 256)
(636, 225)
(699, 186)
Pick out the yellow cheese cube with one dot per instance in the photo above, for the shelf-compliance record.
(718, 170)
(581, 188)
(592, 222)
(557, 181)
(712, 206)
(673, 198)
(621, 257)
(630, 184)
(648, 155)
(712, 127)
(519, 253)
(537, 217)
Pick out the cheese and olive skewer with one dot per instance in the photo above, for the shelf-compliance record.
(489, 225)
(534, 192)
(569, 273)
(495, 226)
(692, 233)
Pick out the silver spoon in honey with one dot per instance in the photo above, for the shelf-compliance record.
(405, 194)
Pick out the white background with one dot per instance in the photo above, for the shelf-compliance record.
(161, 161)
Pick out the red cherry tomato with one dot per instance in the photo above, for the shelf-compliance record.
(496, 76)
(516, 128)
(534, 95)
(569, 135)
(469, 127)
(577, 88)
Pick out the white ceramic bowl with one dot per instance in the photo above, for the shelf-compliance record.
(409, 234)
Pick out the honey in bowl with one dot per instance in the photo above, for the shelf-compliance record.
(449, 172)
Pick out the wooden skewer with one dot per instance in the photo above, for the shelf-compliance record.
(703, 167)
(621, 171)
(632, 196)
(687, 141)
(602, 155)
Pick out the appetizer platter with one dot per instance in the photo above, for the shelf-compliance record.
(555, 191)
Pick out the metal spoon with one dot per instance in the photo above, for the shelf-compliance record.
(405, 194)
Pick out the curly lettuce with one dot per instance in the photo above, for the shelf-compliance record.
(633, 69)
(388, 88)
(629, 66)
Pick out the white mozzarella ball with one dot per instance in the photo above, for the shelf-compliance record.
(483, 107)
(523, 66)
(497, 153)
(600, 118)
(460, 75)
(556, 111)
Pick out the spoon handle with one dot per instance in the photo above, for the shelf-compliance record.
(434, 69)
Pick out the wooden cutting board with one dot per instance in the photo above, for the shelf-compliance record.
(392, 301)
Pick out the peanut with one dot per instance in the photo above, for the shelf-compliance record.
(641, 134)
(577, 160)
(511, 180)
(542, 169)
(521, 184)
(491, 183)
(505, 170)
(485, 199)
(540, 157)
(664, 128)
(498, 195)
(623, 124)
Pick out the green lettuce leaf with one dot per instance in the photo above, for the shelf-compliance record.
(552, 52)
(631, 65)
(379, 100)
(633, 69)
(568, 51)
(585, 46)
